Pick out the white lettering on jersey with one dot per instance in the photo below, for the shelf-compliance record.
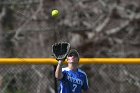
(75, 80)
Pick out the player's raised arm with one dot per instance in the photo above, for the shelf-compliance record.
(58, 71)
(60, 51)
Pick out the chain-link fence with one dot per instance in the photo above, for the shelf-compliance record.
(114, 78)
(40, 78)
(26, 79)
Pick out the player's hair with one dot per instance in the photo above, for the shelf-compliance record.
(73, 52)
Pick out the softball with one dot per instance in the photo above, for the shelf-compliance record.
(55, 13)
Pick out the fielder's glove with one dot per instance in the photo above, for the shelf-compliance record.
(60, 50)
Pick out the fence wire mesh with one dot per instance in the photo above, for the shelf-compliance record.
(26, 79)
(40, 78)
(115, 78)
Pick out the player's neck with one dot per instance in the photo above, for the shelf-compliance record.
(73, 67)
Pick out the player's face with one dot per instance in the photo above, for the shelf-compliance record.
(73, 59)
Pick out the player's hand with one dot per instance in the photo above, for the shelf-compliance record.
(60, 62)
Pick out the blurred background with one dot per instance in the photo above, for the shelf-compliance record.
(96, 28)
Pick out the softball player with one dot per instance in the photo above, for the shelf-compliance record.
(72, 78)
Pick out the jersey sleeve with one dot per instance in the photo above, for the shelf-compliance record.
(85, 83)
(64, 74)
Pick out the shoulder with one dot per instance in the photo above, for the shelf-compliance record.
(82, 72)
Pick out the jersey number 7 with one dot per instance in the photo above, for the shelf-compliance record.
(74, 87)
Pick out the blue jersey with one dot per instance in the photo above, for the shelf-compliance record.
(73, 81)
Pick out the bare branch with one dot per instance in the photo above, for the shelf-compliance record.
(2, 14)
(104, 23)
(28, 20)
(117, 29)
